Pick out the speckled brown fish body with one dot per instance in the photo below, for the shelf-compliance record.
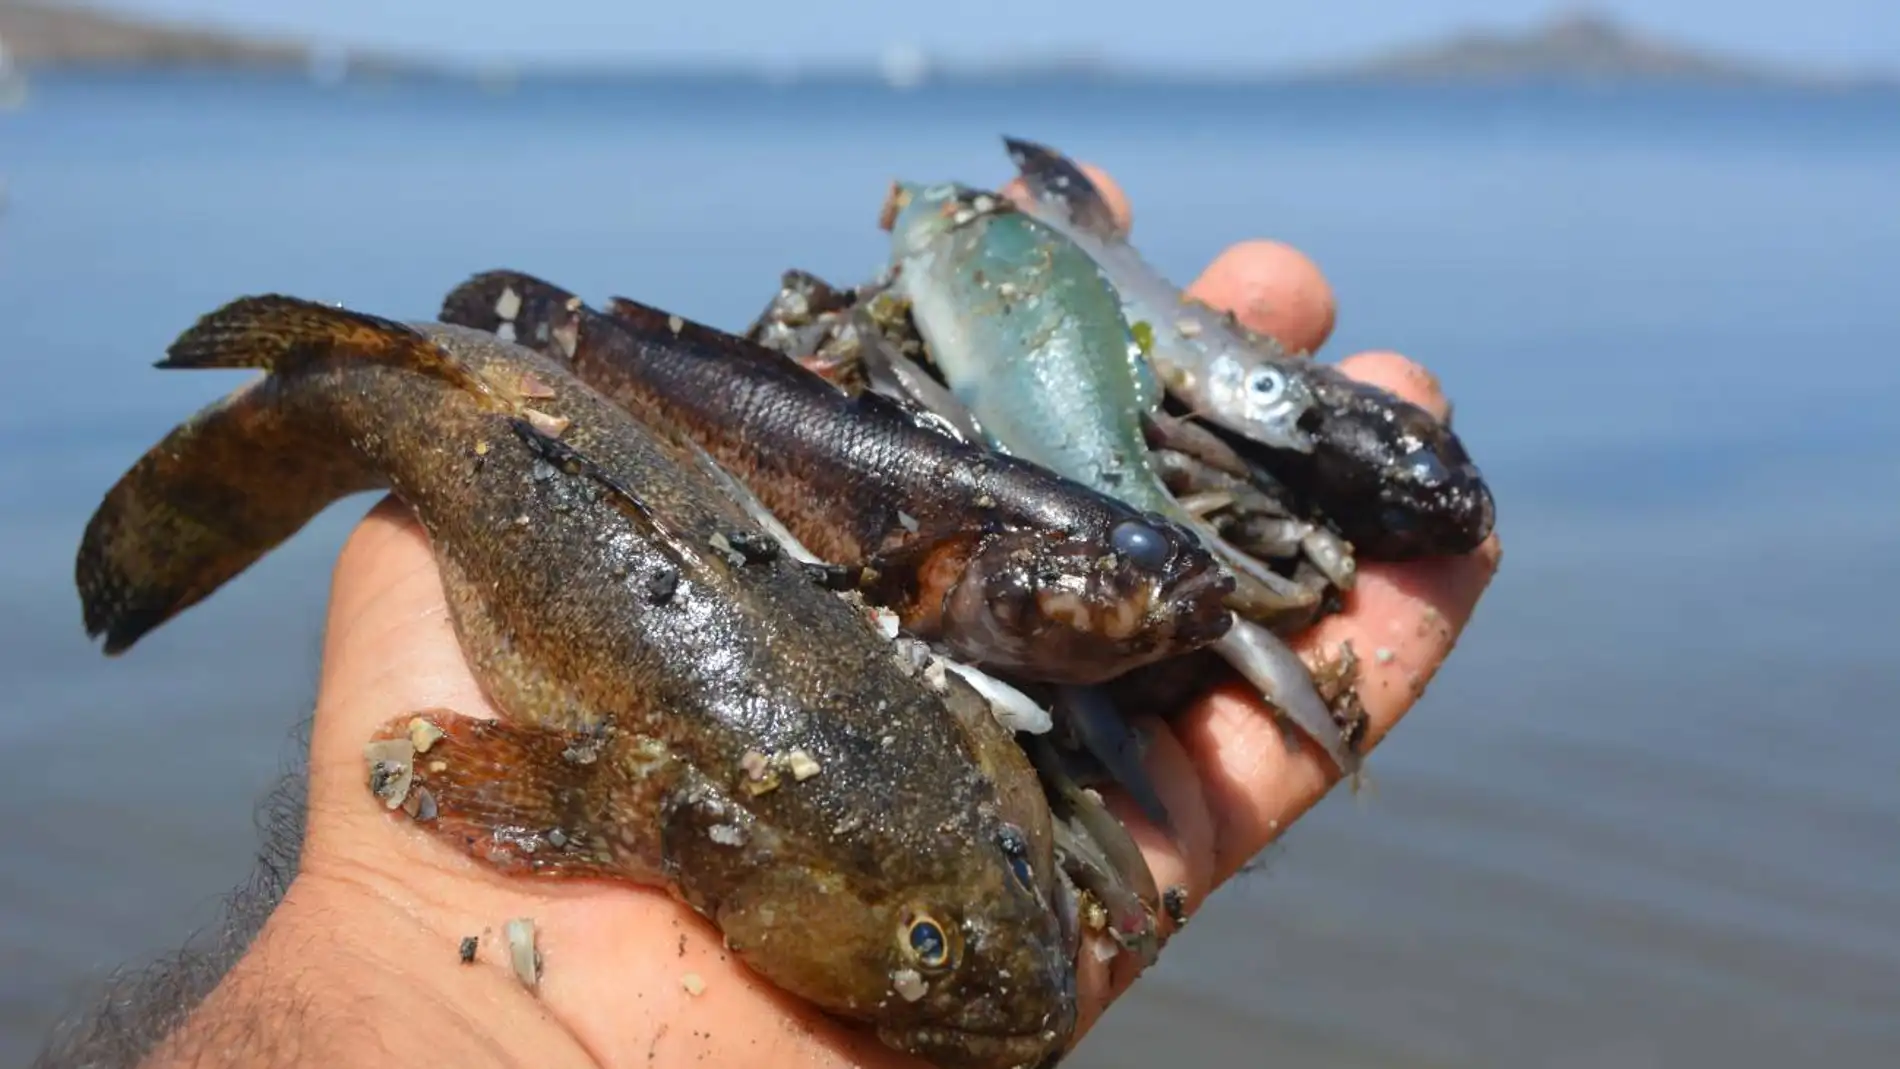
(1006, 564)
(684, 707)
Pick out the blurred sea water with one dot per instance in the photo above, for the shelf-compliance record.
(1647, 816)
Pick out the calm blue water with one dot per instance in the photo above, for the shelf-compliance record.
(1649, 814)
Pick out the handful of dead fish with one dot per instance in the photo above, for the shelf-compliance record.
(821, 627)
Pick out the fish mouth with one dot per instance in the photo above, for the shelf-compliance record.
(1087, 638)
(1197, 604)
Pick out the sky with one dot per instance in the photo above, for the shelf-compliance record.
(1827, 34)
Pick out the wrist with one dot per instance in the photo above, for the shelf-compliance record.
(341, 974)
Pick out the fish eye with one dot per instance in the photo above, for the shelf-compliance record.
(1140, 543)
(927, 942)
(1265, 385)
(1017, 850)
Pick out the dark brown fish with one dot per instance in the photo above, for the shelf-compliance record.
(676, 714)
(1005, 564)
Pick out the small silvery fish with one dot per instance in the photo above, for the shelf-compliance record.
(1248, 385)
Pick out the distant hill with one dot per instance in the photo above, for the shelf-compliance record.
(1574, 48)
(39, 34)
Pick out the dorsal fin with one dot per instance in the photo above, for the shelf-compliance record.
(283, 335)
(518, 307)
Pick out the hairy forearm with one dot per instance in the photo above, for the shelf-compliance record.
(338, 978)
(142, 1005)
(306, 974)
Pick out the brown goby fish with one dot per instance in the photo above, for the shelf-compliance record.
(683, 708)
(1008, 566)
(1004, 564)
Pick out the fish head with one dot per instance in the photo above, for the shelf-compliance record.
(1397, 479)
(919, 214)
(1263, 399)
(948, 948)
(1086, 603)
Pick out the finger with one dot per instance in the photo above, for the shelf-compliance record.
(389, 650)
(1183, 860)
(1272, 289)
(1390, 371)
(1018, 191)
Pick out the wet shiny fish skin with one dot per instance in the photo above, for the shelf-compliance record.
(672, 716)
(868, 341)
(869, 349)
(1021, 324)
(1394, 480)
(1004, 564)
(1392, 477)
(983, 279)
(1249, 386)
(855, 474)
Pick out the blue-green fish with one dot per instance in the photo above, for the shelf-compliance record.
(1030, 338)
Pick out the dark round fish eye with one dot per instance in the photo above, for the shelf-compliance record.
(1266, 384)
(1140, 543)
(928, 943)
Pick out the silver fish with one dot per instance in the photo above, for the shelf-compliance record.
(1239, 380)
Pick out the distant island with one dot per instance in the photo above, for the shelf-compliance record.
(1575, 49)
(39, 34)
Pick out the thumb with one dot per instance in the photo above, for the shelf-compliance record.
(389, 650)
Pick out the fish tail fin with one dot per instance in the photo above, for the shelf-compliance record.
(286, 335)
(1060, 182)
(214, 496)
(242, 475)
(525, 797)
(517, 307)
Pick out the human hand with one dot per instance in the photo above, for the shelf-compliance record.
(365, 943)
